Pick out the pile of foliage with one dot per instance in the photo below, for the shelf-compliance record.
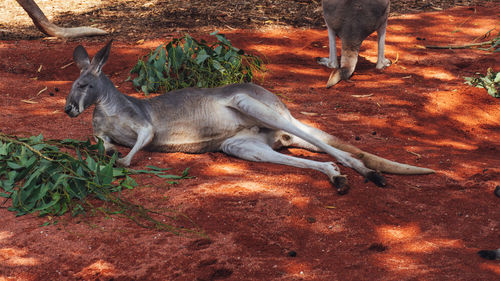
(490, 82)
(41, 176)
(185, 62)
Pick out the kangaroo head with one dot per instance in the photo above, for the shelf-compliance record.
(87, 88)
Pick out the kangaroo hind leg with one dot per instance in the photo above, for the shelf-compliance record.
(286, 139)
(269, 118)
(254, 147)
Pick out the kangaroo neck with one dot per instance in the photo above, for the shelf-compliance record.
(112, 101)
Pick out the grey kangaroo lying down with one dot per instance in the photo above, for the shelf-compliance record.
(242, 120)
(352, 21)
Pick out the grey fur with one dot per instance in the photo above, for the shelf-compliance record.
(352, 21)
(243, 120)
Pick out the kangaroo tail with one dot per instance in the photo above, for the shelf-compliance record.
(378, 163)
(387, 166)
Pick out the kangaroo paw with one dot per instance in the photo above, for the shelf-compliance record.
(383, 64)
(341, 185)
(377, 179)
(327, 62)
(123, 162)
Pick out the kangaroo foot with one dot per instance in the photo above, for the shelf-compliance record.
(377, 179)
(327, 62)
(341, 185)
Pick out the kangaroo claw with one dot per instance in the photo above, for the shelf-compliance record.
(377, 179)
(341, 185)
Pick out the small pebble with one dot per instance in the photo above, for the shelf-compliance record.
(311, 220)
(377, 247)
(56, 89)
(51, 94)
(292, 254)
(497, 191)
(374, 133)
(357, 138)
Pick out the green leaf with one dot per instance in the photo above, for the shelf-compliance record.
(157, 168)
(107, 174)
(185, 172)
(218, 66)
(201, 57)
(5, 195)
(14, 165)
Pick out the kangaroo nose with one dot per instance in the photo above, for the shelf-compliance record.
(67, 109)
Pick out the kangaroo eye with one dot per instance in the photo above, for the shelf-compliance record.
(81, 86)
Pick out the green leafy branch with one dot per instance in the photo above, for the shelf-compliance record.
(185, 62)
(41, 176)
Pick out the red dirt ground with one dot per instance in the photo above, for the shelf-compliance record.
(418, 111)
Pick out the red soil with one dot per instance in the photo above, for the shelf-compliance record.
(417, 111)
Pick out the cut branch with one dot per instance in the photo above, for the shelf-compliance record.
(466, 46)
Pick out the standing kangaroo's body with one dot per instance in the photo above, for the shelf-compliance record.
(243, 120)
(352, 21)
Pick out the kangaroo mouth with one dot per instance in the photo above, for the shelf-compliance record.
(71, 110)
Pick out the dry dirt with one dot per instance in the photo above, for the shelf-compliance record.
(271, 222)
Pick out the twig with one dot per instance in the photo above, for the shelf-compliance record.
(66, 65)
(461, 46)
(414, 153)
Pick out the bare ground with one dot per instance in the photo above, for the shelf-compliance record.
(265, 221)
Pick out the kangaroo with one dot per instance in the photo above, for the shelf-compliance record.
(242, 120)
(353, 21)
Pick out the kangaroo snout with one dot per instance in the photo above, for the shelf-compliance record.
(70, 110)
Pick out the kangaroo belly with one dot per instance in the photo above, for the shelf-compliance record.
(188, 145)
(193, 138)
(196, 125)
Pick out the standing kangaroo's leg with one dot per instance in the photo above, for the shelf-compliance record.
(255, 148)
(270, 118)
(382, 62)
(332, 61)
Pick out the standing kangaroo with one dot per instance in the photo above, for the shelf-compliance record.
(243, 120)
(353, 21)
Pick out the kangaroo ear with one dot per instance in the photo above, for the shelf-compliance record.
(100, 58)
(80, 57)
